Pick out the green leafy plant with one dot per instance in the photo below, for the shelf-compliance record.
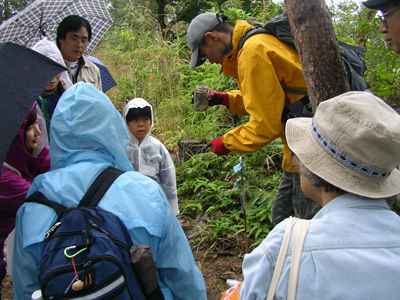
(207, 180)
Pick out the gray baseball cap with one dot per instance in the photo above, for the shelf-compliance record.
(376, 4)
(201, 24)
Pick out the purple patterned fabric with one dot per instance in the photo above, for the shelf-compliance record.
(41, 18)
(14, 187)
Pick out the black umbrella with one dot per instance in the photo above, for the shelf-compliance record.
(24, 73)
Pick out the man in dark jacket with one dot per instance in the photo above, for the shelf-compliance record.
(390, 20)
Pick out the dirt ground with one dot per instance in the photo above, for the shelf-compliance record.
(6, 290)
(215, 263)
(216, 268)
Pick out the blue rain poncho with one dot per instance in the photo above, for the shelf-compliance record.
(87, 136)
(151, 158)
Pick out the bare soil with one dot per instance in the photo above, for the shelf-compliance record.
(216, 268)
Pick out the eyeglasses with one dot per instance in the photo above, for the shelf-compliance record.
(76, 39)
(201, 56)
(384, 16)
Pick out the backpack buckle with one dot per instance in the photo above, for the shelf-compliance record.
(51, 230)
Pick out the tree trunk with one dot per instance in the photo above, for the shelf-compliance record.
(314, 36)
(161, 14)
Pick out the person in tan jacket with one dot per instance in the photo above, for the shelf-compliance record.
(73, 35)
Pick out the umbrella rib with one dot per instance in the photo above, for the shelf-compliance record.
(45, 15)
(40, 23)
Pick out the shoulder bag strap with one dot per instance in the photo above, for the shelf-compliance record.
(281, 258)
(38, 197)
(297, 248)
(99, 187)
(300, 233)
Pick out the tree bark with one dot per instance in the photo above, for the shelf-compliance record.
(316, 43)
(161, 13)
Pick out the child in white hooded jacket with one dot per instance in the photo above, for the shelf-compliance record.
(146, 153)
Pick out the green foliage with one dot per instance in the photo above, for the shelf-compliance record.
(359, 26)
(206, 186)
(207, 74)
(394, 204)
(8, 8)
(144, 65)
(264, 10)
(233, 14)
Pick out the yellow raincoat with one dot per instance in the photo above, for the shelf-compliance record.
(261, 68)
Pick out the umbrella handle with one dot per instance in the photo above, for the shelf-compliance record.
(41, 30)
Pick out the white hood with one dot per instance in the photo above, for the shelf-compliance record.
(151, 158)
(138, 103)
(49, 49)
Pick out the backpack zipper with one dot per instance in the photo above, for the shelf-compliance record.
(80, 267)
(117, 242)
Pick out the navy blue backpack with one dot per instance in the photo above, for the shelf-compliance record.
(86, 252)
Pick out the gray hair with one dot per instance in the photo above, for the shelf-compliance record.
(314, 179)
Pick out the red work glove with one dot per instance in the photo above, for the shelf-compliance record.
(218, 147)
(218, 98)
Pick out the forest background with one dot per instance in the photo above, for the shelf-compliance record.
(147, 53)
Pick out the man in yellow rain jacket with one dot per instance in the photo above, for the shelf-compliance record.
(262, 68)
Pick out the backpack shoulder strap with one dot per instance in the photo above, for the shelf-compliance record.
(38, 197)
(250, 33)
(99, 187)
(257, 30)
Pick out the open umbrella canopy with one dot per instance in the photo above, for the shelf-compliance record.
(107, 81)
(41, 18)
(24, 74)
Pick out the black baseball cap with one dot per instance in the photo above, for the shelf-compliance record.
(376, 4)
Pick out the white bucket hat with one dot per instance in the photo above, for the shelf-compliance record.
(352, 142)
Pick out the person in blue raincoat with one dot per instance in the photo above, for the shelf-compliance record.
(88, 135)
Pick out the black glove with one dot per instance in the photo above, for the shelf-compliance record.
(214, 98)
(218, 98)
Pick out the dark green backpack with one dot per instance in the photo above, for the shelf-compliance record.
(351, 56)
